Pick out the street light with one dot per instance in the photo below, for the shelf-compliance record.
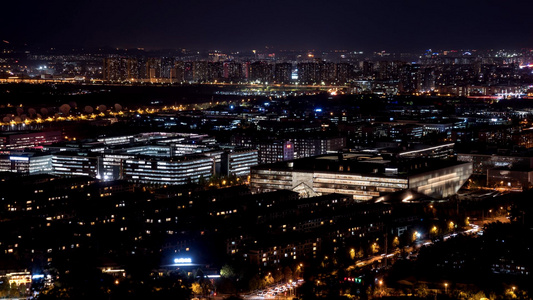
(451, 226)
(446, 288)
(416, 235)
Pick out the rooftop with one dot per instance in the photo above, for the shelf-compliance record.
(362, 163)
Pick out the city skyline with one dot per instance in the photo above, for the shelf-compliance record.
(398, 26)
(257, 150)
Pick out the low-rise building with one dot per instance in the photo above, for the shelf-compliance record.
(175, 170)
(363, 176)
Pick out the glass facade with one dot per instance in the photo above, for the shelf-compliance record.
(440, 181)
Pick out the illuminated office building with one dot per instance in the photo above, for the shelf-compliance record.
(75, 164)
(112, 165)
(175, 170)
(27, 163)
(26, 139)
(362, 176)
(238, 162)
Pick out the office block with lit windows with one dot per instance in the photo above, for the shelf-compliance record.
(175, 170)
(27, 139)
(238, 161)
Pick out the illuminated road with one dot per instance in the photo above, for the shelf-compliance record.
(474, 229)
(289, 293)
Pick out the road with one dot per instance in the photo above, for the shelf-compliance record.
(474, 229)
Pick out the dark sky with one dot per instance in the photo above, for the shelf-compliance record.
(253, 24)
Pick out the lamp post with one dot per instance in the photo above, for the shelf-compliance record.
(446, 288)
(290, 287)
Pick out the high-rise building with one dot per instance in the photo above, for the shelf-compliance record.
(233, 71)
(282, 72)
(307, 73)
(167, 65)
(344, 73)
(200, 71)
(153, 68)
(216, 71)
(326, 72)
(178, 73)
(261, 71)
(120, 69)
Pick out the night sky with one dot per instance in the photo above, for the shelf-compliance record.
(399, 25)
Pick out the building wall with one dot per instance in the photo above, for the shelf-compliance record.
(265, 180)
(275, 151)
(30, 139)
(239, 163)
(75, 165)
(295, 250)
(443, 182)
(361, 187)
(168, 171)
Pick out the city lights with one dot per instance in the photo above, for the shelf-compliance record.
(221, 171)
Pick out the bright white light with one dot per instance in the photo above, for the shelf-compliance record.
(406, 199)
(19, 158)
(182, 260)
